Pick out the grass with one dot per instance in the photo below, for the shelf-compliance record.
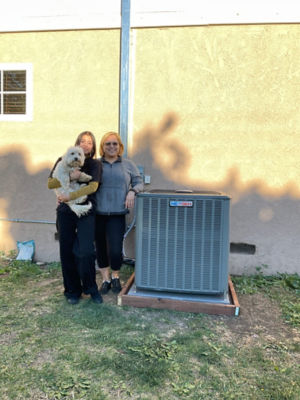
(51, 350)
(283, 288)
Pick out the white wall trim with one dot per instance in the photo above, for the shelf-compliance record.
(44, 15)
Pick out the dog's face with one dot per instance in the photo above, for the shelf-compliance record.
(74, 157)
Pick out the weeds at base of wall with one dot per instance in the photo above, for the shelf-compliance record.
(271, 285)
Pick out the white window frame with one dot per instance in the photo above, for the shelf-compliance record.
(29, 91)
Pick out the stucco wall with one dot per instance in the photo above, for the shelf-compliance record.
(210, 107)
(217, 107)
(76, 88)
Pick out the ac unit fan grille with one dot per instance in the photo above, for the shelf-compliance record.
(182, 248)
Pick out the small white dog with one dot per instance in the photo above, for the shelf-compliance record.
(71, 160)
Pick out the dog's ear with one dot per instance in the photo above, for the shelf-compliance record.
(82, 153)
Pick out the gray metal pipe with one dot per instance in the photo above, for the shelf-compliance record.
(33, 221)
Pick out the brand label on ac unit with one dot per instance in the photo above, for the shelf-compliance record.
(181, 203)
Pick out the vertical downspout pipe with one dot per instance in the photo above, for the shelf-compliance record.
(124, 73)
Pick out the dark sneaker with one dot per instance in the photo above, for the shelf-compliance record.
(97, 298)
(73, 300)
(105, 287)
(116, 285)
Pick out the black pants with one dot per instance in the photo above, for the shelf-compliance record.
(110, 231)
(77, 253)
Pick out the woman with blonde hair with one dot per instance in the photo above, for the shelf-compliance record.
(120, 183)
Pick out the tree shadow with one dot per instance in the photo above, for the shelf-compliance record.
(265, 217)
(160, 153)
(262, 216)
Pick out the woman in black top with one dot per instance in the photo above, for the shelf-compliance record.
(76, 234)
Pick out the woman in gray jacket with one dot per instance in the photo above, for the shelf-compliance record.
(121, 181)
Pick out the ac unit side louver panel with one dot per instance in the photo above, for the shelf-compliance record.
(184, 248)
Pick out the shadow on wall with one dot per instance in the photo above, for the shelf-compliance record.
(24, 195)
(268, 219)
(169, 159)
(264, 217)
(155, 148)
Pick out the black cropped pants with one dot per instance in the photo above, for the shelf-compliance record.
(77, 252)
(109, 236)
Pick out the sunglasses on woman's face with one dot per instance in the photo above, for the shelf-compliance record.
(111, 144)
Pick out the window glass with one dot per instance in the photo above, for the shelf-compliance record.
(15, 92)
(14, 104)
(14, 81)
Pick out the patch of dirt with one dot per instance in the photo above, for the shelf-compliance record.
(110, 297)
(48, 282)
(259, 317)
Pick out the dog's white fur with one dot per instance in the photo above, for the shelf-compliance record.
(71, 160)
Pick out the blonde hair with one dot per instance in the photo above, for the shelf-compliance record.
(103, 139)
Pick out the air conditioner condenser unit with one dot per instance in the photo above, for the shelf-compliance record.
(182, 242)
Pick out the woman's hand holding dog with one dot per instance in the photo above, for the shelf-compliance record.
(63, 198)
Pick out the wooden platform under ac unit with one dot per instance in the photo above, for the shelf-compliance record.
(158, 302)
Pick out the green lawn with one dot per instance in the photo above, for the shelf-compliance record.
(52, 350)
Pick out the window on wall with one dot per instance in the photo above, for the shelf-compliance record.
(15, 92)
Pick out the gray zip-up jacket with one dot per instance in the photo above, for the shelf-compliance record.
(117, 179)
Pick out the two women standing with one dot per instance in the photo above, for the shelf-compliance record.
(119, 181)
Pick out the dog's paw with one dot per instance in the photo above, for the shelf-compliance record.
(84, 177)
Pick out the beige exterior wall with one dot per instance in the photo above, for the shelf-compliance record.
(218, 107)
(76, 88)
(212, 107)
